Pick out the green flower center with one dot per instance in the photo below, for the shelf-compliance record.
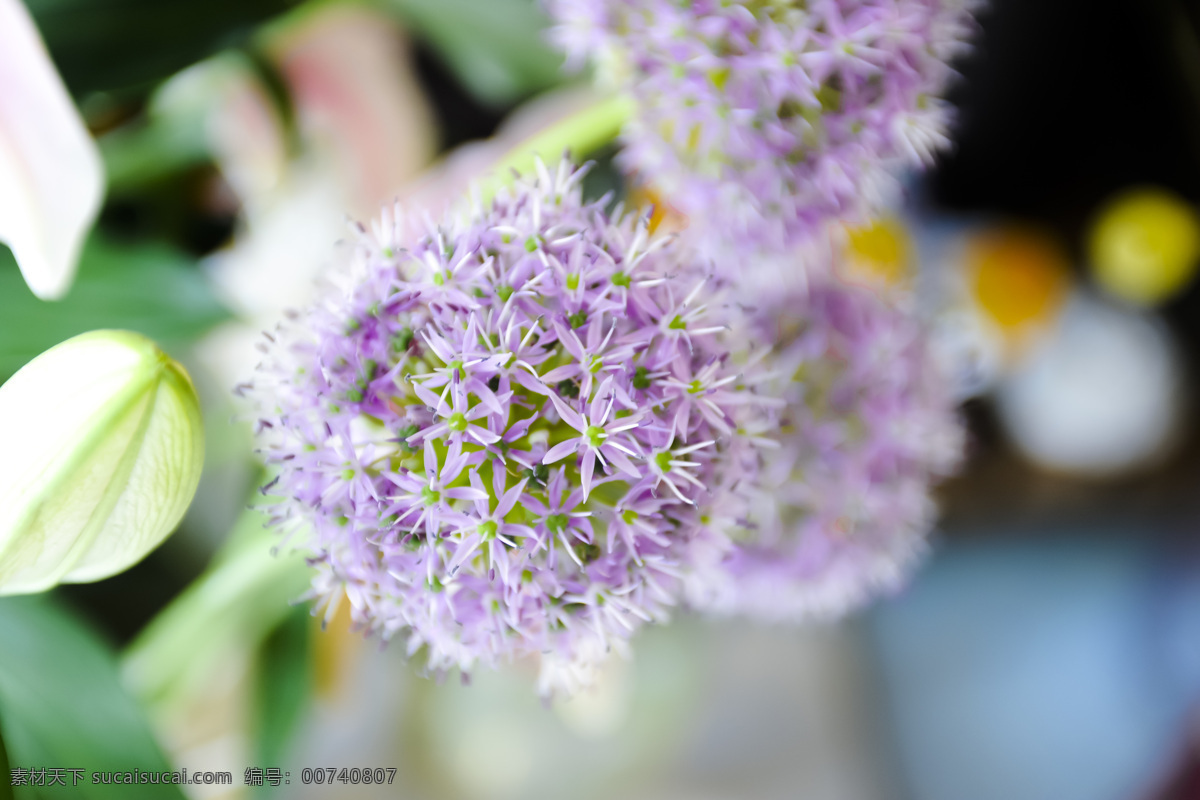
(403, 434)
(457, 422)
(430, 496)
(719, 77)
(595, 435)
(488, 530)
(641, 378)
(402, 340)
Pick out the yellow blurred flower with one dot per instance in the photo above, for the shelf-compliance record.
(1144, 245)
(880, 251)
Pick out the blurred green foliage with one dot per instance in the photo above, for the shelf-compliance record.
(171, 135)
(62, 705)
(144, 287)
(150, 150)
(122, 45)
(284, 681)
(242, 597)
(497, 48)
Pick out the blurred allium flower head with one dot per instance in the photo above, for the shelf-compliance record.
(496, 436)
(836, 509)
(760, 119)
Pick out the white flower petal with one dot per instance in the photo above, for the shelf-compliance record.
(51, 177)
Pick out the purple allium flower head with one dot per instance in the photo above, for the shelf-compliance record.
(761, 119)
(497, 436)
(825, 500)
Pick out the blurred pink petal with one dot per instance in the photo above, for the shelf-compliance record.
(51, 177)
(355, 94)
(365, 129)
(246, 135)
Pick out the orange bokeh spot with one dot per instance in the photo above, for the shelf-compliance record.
(642, 196)
(1018, 276)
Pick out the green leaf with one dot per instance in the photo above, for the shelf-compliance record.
(107, 45)
(147, 288)
(152, 150)
(243, 595)
(5, 776)
(172, 135)
(496, 47)
(285, 678)
(61, 705)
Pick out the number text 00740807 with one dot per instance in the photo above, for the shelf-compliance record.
(344, 775)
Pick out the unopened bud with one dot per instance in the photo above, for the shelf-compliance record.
(101, 447)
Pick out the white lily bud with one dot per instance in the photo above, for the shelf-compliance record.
(101, 447)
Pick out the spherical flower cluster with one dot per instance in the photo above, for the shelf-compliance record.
(761, 119)
(837, 511)
(497, 436)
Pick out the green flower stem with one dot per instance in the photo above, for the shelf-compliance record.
(243, 595)
(580, 134)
